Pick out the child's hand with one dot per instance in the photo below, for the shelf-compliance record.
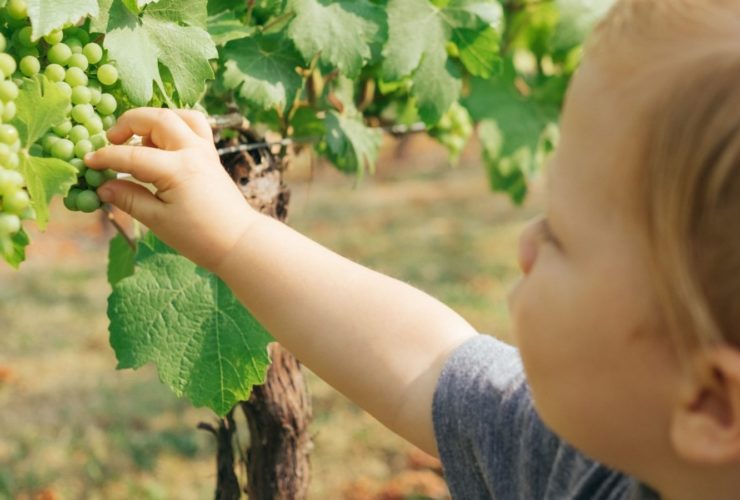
(196, 208)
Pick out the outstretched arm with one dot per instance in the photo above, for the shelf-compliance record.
(377, 340)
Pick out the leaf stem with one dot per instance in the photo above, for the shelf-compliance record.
(277, 20)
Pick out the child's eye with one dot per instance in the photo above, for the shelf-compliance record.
(546, 232)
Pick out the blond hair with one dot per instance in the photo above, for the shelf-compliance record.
(680, 60)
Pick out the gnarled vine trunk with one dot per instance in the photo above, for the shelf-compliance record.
(278, 413)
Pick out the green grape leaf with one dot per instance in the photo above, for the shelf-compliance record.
(307, 125)
(190, 12)
(417, 46)
(511, 129)
(48, 15)
(520, 119)
(186, 321)
(219, 6)
(505, 173)
(475, 27)
(479, 50)
(41, 105)
(351, 145)
(120, 260)
(576, 20)
(263, 69)
(14, 248)
(46, 177)
(346, 32)
(225, 27)
(136, 6)
(138, 44)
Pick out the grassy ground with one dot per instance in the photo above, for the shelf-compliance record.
(71, 426)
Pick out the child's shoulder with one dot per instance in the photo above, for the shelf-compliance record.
(493, 444)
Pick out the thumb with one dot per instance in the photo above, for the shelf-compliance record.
(134, 199)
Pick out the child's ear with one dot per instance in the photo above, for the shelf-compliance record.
(705, 427)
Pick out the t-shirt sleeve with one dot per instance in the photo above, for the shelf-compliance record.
(492, 443)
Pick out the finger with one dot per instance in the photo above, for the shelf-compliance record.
(197, 121)
(164, 127)
(151, 165)
(134, 199)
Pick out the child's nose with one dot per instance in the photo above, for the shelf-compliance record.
(528, 245)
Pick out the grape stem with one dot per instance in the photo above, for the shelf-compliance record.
(112, 219)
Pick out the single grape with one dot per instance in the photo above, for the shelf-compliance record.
(10, 181)
(30, 66)
(108, 121)
(81, 113)
(48, 141)
(78, 61)
(95, 95)
(107, 105)
(16, 203)
(36, 150)
(94, 178)
(63, 128)
(65, 87)
(110, 174)
(107, 74)
(14, 161)
(99, 140)
(54, 37)
(8, 134)
(17, 9)
(7, 64)
(8, 91)
(78, 33)
(70, 201)
(25, 37)
(55, 72)
(9, 224)
(93, 52)
(79, 165)
(5, 153)
(81, 95)
(63, 149)
(94, 124)
(3, 43)
(78, 133)
(74, 44)
(75, 77)
(88, 201)
(83, 147)
(9, 110)
(59, 54)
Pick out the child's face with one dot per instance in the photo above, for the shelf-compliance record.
(602, 377)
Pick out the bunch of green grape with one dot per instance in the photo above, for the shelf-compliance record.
(15, 203)
(79, 67)
(453, 130)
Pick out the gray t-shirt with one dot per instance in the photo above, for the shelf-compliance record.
(493, 445)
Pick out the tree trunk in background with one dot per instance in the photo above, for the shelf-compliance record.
(279, 412)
